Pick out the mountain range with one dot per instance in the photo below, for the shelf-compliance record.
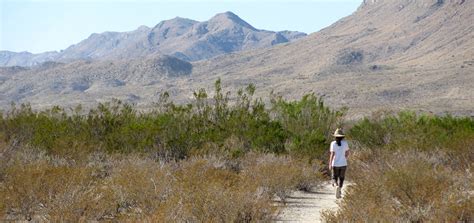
(180, 37)
(388, 54)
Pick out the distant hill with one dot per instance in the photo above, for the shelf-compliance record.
(183, 38)
(85, 82)
(8, 58)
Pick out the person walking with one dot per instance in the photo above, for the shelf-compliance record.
(339, 151)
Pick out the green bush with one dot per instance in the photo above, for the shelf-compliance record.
(174, 131)
(309, 124)
(409, 130)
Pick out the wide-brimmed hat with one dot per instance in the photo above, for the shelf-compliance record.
(338, 133)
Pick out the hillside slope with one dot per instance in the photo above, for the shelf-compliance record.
(89, 82)
(388, 54)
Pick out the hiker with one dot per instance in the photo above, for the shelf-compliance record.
(339, 151)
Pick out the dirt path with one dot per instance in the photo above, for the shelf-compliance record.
(307, 206)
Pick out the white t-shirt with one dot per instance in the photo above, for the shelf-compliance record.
(339, 153)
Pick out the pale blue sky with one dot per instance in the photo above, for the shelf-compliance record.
(45, 25)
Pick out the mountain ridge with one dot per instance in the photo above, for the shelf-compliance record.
(184, 38)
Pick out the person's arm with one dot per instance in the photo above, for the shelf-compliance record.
(331, 157)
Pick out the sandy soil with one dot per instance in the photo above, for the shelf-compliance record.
(307, 206)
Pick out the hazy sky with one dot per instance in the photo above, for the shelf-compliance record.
(45, 25)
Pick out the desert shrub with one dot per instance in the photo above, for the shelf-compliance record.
(172, 131)
(140, 185)
(410, 167)
(44, 187)
(213, 194)
(310, 175)
(40, 189)
(39, 186)
(408, 186)
(309, 123)
(280, 175)
(411, 131)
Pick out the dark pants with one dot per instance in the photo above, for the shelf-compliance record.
(338, 174)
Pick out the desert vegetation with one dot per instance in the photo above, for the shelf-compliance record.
(410, 168)
(207, 161)
(37, 186)
(223, 160)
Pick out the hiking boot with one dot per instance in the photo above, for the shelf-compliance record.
(338, 192)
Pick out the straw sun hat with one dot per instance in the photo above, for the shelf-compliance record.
(338, 133)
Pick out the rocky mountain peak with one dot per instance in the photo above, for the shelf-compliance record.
(177, 21)
(227, 19)
(142, 28)
(169, 29)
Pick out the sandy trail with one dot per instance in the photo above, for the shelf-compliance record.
(307, 206)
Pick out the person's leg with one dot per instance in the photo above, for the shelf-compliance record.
(342, 175)
(335, 174)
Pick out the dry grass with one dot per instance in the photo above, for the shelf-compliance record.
(206, 193)
(408, 186)
(279, 175)
(101, 187)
